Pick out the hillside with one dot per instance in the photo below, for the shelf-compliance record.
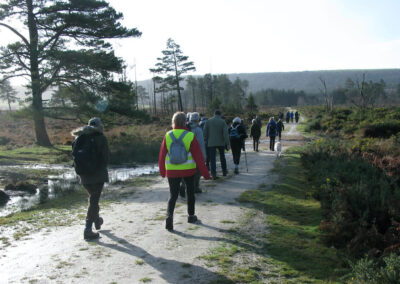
(308, 81)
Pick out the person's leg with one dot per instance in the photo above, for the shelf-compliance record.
(174, 186)
(257, 142)
(94, 192)
(197, 177)
(221, 151)
(92, 216)
(280, 135)
(213, 165)
(273, 143)
(182, 188)
(254, 144)
(236, 156)
(190, 195)
(270, 143)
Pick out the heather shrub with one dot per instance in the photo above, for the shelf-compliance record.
(385, 270)
(361, 204)
(382, 129)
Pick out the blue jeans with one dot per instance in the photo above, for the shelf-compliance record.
(213, 163)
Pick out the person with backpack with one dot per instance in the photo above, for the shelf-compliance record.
(91, 154)
(182, 186)
(271, 133)
(237, 136)
(217, 137)
(287, 117)
(255, 133)
(297, 116)
(198, 133)
(180, 155)
(281, 127)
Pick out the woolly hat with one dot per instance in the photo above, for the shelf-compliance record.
(237, 120)
(194, 116)
(95, 122)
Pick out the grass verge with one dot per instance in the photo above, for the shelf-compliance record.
(287, 248)
(293, 217)
(35, 154)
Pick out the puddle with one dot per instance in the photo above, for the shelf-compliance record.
(62, 183)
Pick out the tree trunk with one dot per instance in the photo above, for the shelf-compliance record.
(180, 105)
(194, 99)
(42, 138)
(9, 103)
(154, 97)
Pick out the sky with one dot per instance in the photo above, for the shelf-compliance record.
(237, 36)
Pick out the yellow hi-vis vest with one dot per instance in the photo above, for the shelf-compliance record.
(187, 140)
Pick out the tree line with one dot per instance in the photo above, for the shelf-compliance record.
(63, 47)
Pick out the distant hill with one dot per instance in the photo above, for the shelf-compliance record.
(308, 81)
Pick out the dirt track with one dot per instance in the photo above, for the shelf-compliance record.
(134, 245)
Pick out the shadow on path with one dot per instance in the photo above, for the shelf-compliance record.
(168, 268)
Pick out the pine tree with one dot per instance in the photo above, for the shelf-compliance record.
(66, 47)
(173, 65)
(7, 93)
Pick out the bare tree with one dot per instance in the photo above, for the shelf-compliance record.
(328, 97)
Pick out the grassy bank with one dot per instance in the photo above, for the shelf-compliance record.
(289, 249)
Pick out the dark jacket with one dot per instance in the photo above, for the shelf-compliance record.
(216, 132)
(101, 175)
(269, 132)
(255, 131)
(281, 126)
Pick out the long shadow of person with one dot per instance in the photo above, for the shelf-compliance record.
(168, 268)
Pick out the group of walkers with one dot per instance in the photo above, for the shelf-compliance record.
(290, 115)
(187, 152)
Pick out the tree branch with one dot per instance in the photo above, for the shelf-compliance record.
(17, 33)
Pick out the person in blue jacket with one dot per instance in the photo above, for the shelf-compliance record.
(272, 129)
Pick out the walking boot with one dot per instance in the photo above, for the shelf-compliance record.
(192, 219)
(98, 223)
(88, 235)
(169, 223)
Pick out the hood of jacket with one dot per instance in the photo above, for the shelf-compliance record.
(193, 124)
(87, 129)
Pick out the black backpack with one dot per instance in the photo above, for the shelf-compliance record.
(272, 128)
(234, 133)
(85, 155)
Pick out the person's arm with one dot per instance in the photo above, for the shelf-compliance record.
(161, 158)
(200, 140)
(267, 132)
(205, 132)
(198, 158)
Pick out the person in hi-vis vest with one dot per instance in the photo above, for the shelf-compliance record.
(186, 170)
